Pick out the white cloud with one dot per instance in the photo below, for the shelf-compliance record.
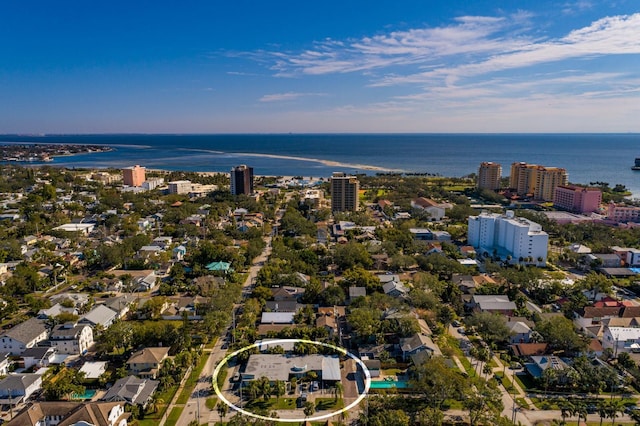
(289, 96)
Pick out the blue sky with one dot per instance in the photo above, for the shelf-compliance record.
(319, 66)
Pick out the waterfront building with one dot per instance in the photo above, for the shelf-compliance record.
(242, 180)
(344, 192)
(489, 175)
(133, 176)
(577, 199)
(179, 187)
(538, 182)
(507, 235)
(623, 213)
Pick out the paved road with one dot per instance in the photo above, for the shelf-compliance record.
(195, 407)
(525, 417)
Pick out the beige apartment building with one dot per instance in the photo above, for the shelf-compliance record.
(489, 175)
(538, 182)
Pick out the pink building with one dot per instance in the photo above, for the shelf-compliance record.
(577, 199)
(133, 176)
(622, 213)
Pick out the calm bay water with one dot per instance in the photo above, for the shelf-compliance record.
(587, 157)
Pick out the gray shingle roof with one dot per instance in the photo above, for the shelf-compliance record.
(131, 389)
(26, 331)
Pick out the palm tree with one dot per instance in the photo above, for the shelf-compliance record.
(602, 409)
(615, 406)
(264, 388)
(223, 409)
(278, 389)
(309, 408)
(153, 404)
(580, 410)
(566, 410)
(338, 391)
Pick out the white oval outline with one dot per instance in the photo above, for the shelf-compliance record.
(223, 362)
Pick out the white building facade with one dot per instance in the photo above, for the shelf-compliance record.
(507, 235)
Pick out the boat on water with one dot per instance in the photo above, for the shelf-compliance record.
(636, 166)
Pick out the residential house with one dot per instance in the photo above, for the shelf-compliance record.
(69, 413)
(179, 306)
(287, 293)
(162, 242)
(281, 367)
(520, 332)
(277, 318)
(100, 315)
(465, 283)
(23, 336)
(419, 342)
(591, 319)
(55, 310)
(121, 305)
(38, 356)
(77, 300)
(355, 292)
(621, 339)
(72, 339)
(282, 306)
(525, 350)
(132, 390)
(435, 210)
(374, 366)
(604, 260)
(94, 369)
(179, 252)
(147, 362)
(328, 318)
(538, 364)
(498, 304)
(146, 283)
(392, 286)
(370, 351)
(148, 251)
(19, 387)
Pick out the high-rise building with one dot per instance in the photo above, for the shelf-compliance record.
(577, 199)
(489, 175)
(242, 180)
(507, 235)
(344, 192)
(539, 182)
(133, 176)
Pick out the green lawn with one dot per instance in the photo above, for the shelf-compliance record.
(329, 404)
(211, 403)
(391, 371)
(190, 384)
(174, 415)
(284, 403)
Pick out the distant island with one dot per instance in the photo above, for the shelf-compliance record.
(45, 153)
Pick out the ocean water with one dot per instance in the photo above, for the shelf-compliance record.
(587, 157)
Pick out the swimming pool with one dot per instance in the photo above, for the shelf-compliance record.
(387, 384)
(88, 394)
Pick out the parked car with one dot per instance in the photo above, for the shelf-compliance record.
(456, 323)
(461, 330)
(301, 400)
